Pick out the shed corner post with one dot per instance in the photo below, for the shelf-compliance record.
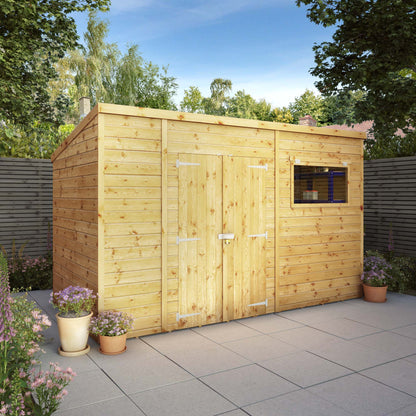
(100, 211)
(164, 225)
(276, 221)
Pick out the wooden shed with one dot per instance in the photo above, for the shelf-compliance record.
(185, 219)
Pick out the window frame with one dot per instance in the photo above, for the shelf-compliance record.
(297, 162)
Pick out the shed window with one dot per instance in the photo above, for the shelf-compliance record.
(320, 184)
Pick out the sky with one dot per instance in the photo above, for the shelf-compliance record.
(263, 46)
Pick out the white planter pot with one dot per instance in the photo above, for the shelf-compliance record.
(73, 333)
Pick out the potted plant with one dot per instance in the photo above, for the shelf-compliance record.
(376, 276)
(74, 304)
(111, 327)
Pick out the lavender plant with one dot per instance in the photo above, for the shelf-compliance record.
(377, 270)
(73, 301)
(111, 323)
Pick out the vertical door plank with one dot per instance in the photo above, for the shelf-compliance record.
(200, 261)
(245, 258)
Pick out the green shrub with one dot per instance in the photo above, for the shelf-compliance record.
(403, 273)
(30, 273)
(403, 270)
(34, 273)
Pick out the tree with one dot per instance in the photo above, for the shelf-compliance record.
(216, 104)
(241, 105)
(308, 103)
(155, 89)
(373, 50)
(103, 74)
(282, 115)
(33, 37)
(192, 100)
(341, 108)
(95, 64)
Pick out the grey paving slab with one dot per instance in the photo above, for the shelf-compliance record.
(405, 411)
(88, 388)
(183, 340)
(187, 398)
(297, 403)
(398, 311)
(201, 362)
(362, 396)
(260, 348)
(406, 331)
(137, 350)
(395, 345)
(237, 412)
(411, 358)
(305, 369)
(399, 374)
(345, 328)
(226, 332)
(247, 385)
(78, 364)
(305, 338)
(269, 323)
(308, 354)
(122, 406)
(352, 355)
(322, 313)
(134, 376)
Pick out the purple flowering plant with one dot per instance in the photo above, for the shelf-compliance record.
(73, 301)
(377, 270)
(111, 323)
(24, 390)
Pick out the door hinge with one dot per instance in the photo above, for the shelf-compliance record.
(259, 303)
(179, 163)
(259, 235)
(181, 240)
(258, 166)
(179, 316)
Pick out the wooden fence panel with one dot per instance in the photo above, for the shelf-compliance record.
(25, 204)
(390, 204)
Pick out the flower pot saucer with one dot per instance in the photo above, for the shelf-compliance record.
(113, 353)
(73, 353)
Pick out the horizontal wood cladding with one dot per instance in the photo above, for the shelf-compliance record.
(320, 246)
(25, 204)
(132, 219)
(389, 204)
(75, 202)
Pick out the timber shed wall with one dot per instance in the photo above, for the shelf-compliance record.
(131, 183)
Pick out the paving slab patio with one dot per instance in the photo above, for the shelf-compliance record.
(344, 358)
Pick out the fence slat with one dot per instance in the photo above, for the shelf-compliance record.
(25, 204)
(390, 204)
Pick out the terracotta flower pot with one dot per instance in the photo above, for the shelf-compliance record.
(113, 345)
(375, 294)
(73, 333)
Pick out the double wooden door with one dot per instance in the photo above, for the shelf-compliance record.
(222, 238)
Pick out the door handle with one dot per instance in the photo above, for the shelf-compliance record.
(228, 236)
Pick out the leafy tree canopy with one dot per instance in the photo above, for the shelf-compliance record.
(373, 50)
(33, 37)
(103, 74)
